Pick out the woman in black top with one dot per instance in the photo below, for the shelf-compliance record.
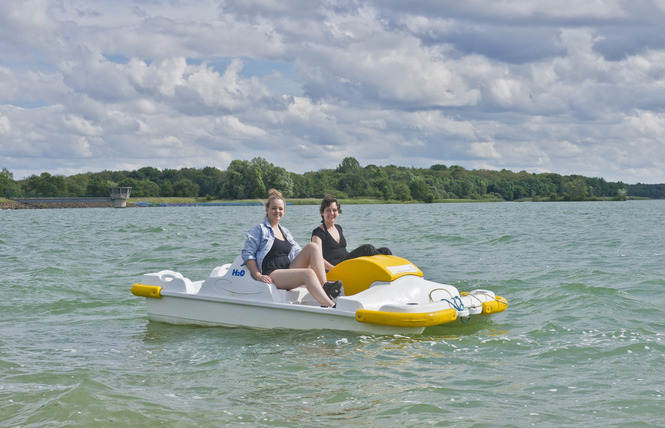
(331, 238)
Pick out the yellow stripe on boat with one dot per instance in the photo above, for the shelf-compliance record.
(406, 319)
(493, 306)
(147, 290)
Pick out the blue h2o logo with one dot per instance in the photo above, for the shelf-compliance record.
(237, 272)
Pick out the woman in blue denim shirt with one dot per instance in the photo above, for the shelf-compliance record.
(274, 257)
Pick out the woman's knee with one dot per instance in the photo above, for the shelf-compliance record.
(310, 250)
(312, 246)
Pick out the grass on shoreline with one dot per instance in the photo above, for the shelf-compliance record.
(295, 201)
(350, 201)
(8, 203)
(305, 201)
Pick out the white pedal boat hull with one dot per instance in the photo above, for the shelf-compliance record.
(382, 295)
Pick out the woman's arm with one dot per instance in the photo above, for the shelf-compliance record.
(254, 271)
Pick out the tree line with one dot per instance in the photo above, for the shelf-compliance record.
(245, 179)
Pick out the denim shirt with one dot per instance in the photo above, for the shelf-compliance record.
(259, 242)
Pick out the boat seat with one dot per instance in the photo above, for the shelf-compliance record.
(360, 273)
(234, 278)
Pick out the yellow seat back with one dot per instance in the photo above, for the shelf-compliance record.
(359, 273)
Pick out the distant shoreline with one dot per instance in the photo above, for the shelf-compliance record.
(59, 203)
(13, 205)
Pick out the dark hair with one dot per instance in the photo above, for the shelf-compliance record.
(329, 200)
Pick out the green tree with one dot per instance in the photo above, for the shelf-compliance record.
(353, 183)
(402, 191)
(274, 177)
(7, 184)
(48, 185)
(384, 187)
(185, 188)
(519, 192)
(376, 181)
(244, 181)
(145, 189)
(302, 185)
(128, 182)
(349, 164)
(251, 179)
(575, 190)
(420, 190)
(77, 184)
(149, 173)
(98, 187)
(166, 189)
(322, 182)
(458, 172)
(210, 181)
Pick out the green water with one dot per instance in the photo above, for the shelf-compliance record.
(581, 344)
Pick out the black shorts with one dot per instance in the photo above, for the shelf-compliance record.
(269, 266)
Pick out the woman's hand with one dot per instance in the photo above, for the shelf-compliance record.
(263, 278)
(254, 271)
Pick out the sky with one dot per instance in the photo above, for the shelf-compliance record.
(566, 86)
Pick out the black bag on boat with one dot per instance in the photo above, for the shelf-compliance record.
(369, 250)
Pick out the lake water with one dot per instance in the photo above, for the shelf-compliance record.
(581, 344)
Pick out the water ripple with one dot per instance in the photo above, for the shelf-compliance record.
(583, 331)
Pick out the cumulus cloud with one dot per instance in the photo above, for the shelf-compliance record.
(568, 87)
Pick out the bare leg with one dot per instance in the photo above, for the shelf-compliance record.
(288, 279)
(311, 256)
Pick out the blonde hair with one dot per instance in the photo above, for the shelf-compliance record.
(274, 194)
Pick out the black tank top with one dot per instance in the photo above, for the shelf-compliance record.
(277, 257)
(334, 252)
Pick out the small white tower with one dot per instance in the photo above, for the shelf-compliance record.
(119, 196)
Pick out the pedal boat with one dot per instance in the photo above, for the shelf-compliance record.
(381, 294)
